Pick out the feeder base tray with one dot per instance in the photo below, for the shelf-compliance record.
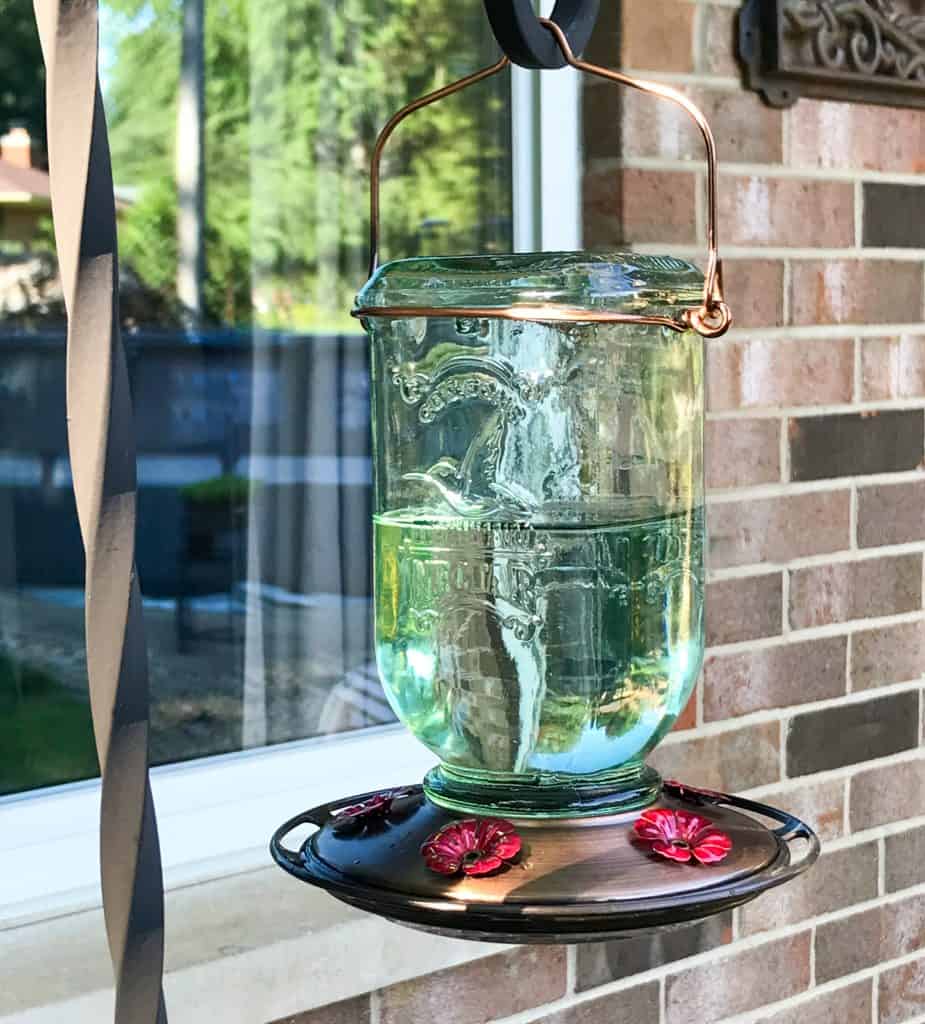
(575, 880)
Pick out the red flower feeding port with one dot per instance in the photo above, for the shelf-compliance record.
(679, 836)
(474, 846)
(366, 812)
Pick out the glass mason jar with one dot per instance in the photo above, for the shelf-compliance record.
(538, 523)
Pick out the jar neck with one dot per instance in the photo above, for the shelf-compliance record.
(629, 787)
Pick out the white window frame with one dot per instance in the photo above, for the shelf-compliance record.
(547, 167)
(216, 814)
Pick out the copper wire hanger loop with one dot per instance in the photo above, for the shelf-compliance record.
(711, 319)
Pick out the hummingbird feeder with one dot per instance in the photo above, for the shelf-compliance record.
(538, 528)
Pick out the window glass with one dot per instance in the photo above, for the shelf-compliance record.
(241, 135)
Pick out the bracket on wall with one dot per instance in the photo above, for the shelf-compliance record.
(863, 51)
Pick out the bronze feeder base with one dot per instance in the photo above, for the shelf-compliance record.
(575, 880)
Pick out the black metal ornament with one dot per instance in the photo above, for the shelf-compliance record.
(859, 51)
(522, 37)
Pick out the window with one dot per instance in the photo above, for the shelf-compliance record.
(248, 374)
(241, 138)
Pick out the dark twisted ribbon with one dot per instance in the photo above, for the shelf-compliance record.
(102, 452)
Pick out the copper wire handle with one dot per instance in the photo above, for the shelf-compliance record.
(711, 319)
(375, 171)
(543, 314)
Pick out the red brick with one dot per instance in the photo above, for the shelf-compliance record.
(820, 804)
(773, 677)
(786, 211)
(855, 291)
(655, 127)
(742, 453)
(852, 732)
(856, 444)
(602, 46)
(601, 123)
(893, 367)
(481, 991)
(760, 530)
(891, 514)
(848, 1005)
(887, 654)
(729, 761)
(849, 944)
(887, 793)
(599, 963)
(904, 853)
(755, 291)
(847, 135)
(350, 1011)
(843, 591)
(839, 879)
(894, 215)
(722, 39)
(657, 35)
(745, 129)
(688, 717)
(639, 206)
(636, 1005)
(744, 608)
(867, 938)
(769, 372)
(601, 208)
(736, 984)
(658, 206)
(902, 992)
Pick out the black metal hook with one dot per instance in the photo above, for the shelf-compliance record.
(523, 39)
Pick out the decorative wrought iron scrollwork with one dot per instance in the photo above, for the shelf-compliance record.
(867, 36)
(865, 50)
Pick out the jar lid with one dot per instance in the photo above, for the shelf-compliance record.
(622, 282)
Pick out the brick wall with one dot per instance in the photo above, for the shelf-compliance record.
(812, 691)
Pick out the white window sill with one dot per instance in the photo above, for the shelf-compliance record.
(215, 816)
(245, 942)
(245, 949)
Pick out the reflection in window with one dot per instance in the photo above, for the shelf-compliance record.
(241, 135)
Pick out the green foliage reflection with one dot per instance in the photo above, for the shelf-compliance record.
(46, 735)
(295, 93)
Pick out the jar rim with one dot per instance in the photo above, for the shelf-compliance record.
(625, 282)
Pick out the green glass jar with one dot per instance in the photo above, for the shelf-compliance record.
(538, 522)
